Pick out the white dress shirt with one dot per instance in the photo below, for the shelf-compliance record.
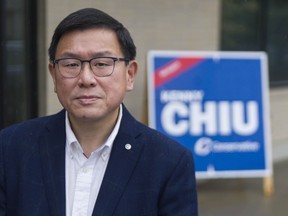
(84, 175)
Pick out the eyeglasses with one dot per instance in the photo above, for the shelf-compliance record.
(101, 66)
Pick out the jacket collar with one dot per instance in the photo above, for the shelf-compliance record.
(123, 159)
(52, 154)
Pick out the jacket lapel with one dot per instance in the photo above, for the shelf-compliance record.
(52, 153)
(123, 159)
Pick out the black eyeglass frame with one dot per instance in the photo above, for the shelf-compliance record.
(115, 59)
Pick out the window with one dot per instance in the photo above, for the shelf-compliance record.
(18, 60)
(258, 25)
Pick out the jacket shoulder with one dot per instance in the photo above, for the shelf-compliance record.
(27, 128)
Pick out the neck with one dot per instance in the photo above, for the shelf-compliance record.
(91, 135)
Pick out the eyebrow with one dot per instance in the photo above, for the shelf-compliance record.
(93, 55)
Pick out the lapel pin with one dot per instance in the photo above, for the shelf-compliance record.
(128, 146)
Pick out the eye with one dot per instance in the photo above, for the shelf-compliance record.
(71, 66)
(70, 63)
(102, 62)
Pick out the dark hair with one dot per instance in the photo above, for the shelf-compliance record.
(90, 18)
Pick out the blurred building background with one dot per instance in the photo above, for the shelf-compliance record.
(26, 89)
(235, 25)
(238, 25)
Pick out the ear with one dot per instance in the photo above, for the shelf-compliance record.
(53, 74)
(131, 74)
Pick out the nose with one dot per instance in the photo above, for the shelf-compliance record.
(86, 76)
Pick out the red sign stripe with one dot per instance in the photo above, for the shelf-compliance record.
(173, 69)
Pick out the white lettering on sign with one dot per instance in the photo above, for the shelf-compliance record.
(168, 118)
(212, 118)
(177, 95)
(207, 117)
(204, 146)
(170, 69)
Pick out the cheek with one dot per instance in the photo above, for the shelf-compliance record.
(116, 88)
(63, 89)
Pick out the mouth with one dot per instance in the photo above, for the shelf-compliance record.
(86, 100)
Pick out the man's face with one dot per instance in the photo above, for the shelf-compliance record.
(88, 97)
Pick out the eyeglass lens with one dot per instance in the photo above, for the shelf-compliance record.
(71, 67)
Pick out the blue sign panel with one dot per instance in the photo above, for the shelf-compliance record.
(215, 104)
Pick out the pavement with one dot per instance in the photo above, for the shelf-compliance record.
(245, 196)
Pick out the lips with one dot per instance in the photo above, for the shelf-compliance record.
(87, 99)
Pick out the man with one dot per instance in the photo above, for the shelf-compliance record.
(93, 157)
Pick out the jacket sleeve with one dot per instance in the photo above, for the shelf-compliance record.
(179, 197)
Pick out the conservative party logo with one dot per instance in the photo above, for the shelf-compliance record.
(204, 146)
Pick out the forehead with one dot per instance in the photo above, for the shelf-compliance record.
(89, 42)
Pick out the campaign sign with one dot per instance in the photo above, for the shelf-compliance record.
(215, 104)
